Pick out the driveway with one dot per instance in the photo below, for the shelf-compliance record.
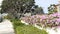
(6, 27)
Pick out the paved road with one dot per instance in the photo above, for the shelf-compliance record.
(6, 27)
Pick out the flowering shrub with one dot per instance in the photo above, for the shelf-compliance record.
(52, 20)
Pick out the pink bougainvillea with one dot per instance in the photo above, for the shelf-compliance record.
(50, 20)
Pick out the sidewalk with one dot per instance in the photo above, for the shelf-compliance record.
(6, 27)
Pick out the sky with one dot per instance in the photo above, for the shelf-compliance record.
(45, 3)
(1, 1)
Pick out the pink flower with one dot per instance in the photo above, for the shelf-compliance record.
(58, 26)
(58, 20)
(43, 17)
(48, 21)
(41, 20)
(55, 17)
(58, 15)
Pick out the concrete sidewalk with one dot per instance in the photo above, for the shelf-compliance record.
(6, 27)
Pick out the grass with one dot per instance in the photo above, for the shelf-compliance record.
(25, 29)
(29, 30)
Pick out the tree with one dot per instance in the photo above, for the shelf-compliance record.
(52, 8)
(17, 8)
(39, 10)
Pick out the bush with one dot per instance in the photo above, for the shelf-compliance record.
(51, 20)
